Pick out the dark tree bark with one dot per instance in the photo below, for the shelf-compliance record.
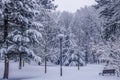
(5, 25)
(20, 61)
(6, 63)
(45, 64)
(78, 61)
(23, 63)
(94, 58)
(6, 69)
(86, 57)
(61, 57)
(45, 59)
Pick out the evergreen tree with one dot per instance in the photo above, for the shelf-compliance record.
(110, 11)
(20, 27)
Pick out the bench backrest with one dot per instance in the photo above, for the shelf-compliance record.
(109, 71)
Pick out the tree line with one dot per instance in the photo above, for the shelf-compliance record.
(29, 30)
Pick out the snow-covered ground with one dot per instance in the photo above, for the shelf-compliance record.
(34, 72)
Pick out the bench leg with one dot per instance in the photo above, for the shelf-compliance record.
(114, 74)
(102, 74)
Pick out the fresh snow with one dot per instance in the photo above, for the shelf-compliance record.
(5, 1)
(35, 72)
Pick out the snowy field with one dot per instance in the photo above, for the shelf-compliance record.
(34, 72)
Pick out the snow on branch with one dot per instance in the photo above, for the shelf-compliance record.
(17, 38)
(34, 34)
(20, 38)
(38, 24)
(13, 33)
(26, 50)
(30, 52)
(3, 51)
(37, 58)
(12, 48)
(5, 1)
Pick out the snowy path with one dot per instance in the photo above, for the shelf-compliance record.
(30, 72)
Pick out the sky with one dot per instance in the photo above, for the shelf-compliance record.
(73, 5)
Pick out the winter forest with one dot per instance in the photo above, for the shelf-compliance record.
(37, 42)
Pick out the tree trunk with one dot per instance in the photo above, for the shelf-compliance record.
(20, 61)
(61, 72)
(45, 59)
(45, 64)
(78, 61)
(6, 69)
(5, 25)
(23, 63)
(86, 57)
(94, 59)
(119, 72)
(6, 66)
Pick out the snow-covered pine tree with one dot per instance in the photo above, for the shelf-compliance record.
(22, 26)
(69, 44)
(88, 34)
(110, 11)
(47, 31)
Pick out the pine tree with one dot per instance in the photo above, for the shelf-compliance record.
(110, 11)
(20, 27)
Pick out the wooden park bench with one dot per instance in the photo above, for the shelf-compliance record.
(108, 71)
